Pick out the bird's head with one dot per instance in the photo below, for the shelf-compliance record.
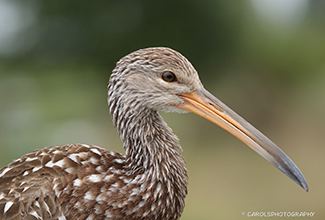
(163, 79)
(154, 78)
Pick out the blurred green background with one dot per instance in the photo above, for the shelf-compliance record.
(265, 59)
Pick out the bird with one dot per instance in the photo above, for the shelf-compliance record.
(148, 181)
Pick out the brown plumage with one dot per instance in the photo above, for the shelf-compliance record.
(80, 181)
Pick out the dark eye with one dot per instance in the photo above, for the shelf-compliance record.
(169, 76)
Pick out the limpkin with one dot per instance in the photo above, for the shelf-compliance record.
(79, 181)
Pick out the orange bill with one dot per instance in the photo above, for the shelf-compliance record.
(206, 105)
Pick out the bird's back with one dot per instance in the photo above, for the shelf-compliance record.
(57, 182)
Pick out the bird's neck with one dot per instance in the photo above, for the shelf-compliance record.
(149, 141)
(153, 150)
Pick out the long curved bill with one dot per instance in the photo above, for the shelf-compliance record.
(203, 103)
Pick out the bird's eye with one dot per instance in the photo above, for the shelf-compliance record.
(169, 76)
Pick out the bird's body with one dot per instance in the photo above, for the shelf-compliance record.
(79, 181)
